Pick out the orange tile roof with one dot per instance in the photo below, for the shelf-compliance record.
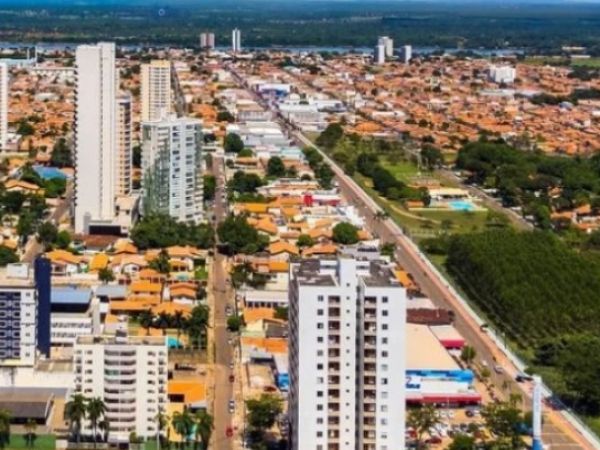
(255, 314)
(283, 247)
(171, 308)
(98, 262)
(145, 286)
(270, 345)
(192, 390)
(125, 247)
(321, 249)
(63, 256)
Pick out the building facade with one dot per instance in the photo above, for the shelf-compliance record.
(236, 41)
(207, 41)
(95, 135)
(124, 149)
(347, 355)
(3, 105)
(156, 90)
(172, 168)
(130, 375)
(24, 313)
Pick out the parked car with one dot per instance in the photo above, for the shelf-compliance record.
(231, 406)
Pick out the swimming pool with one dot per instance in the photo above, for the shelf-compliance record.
(47, 173)
(461, 205)
(173, 342)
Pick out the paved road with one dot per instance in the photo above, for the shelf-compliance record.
(33, 247)
(557, 431)
(223, 350)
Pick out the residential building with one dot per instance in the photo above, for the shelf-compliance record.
(406, 53)
(346, 355)
(156, 90)
(502, 74)
(172, 168)
(3, 105)
(379, 56)
(74, 312)
(124, 150)
(25, 313)
(388, 44)
(129, 374)
(236, 41)
(207, 41)
(95, 136)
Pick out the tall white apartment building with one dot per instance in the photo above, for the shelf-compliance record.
(502, 74)
(388, 44)
(95, 135)
(379, 56)
(236, 41)
(129, 374)
(172, 168)
(156, 90)
(207, 41)
(124, 146)
(3, 105)
(347, 355)
(406, 53)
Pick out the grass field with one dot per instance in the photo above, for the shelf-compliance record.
(43, 442)
(590, 62)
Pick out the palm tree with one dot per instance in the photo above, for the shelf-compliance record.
(104, 426)
(178, 321)
(183, 423)
(30, 435)
(145, 319)
(204, 428)
(4, 428)
(162, 421)
(75, 410)
(95, 410)
(197, 324)
(163, 321)
(421, 420)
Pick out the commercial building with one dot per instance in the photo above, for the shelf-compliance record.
(346, 355)
(207, 41)
(503, 74)
(124, 150)
(379, 55)
(156, 90)
(406, 53)
(130, 375)
(236, 41)
(24, 313)
(3, 105)
(95, 136)
(172, 168)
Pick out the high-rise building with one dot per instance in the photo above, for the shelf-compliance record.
(379, 56)
(347, 355)
(388, 44)
(406, 53)
(236, 41)
(25, 312)
(124, 150)
(3, 105)
(207, 41)
(502, 74)
(156, 90)
(95, 136)
(171, 168)
(130, 374)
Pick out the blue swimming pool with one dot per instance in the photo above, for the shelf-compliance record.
(461, 205)
(173, 342)
(47, 173)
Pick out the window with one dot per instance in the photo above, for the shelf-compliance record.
(320, 380)
(319, 366)
(319, 352)
(384, 353)
(319, 338)
(384, 340)
(319, 407)
(319, 434)
(383, 408)
(320, 298)
(319, 312)
(384, 313)
(384, 299)
(319, 393)
(384, 421)
(319, 420)
(384, 326)
(319, 326)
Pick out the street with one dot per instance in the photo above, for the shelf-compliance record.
(222, 296)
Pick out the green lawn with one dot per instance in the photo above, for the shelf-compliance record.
(43, 442)
(201, 273)
(590, 62)
(403, 170)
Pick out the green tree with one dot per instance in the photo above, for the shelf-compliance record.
(233, 143)
(5, 418)
(146, 319)
(504, 420)
(179, 322)
(240, 236)
(61, 154)
(75, 412)
(263, 412)
(275, 167)
(161, 263)
(106, 275)
(234, 323)
(421, 419)
(47, 234)
(468, 354)
(209, 186)
(197, 325)
(431, 157)
(163, 321)
(204, 428)
(304, 240)
(281, 312)
(95, 409)
(24, 128)
(330, 135)
(63, 239)
(30, 436)
(25, 225)
(345, 233)
(462, 442)
(225, 116)
(7, 256)
(183, 424)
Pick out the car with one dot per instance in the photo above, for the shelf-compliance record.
(522, 377)
(228, 310)
(231, 365)
(231, 406)
(434, 440)
(498, 369)
(231, 378)
(469, 413)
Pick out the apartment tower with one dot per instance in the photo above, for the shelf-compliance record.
(207, 41)
(130, 374)
(124, 150)
(3, 105)
(236, 41)
(171, 168)
(347, 355)
(156, 90)
(95, 135)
